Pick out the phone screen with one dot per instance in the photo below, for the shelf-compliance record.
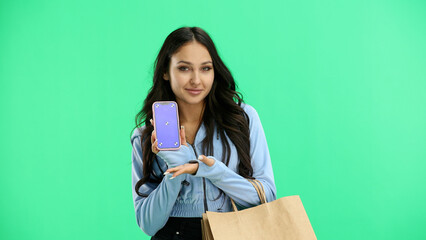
(166, 120)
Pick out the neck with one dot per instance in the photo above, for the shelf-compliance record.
(190, 113)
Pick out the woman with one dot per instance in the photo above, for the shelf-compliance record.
(218, 129)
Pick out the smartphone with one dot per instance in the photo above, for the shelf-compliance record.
(166, 121)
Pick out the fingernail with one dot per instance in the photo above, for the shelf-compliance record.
(166, 173)
(182, 127)
(172, 178)
(200, 157)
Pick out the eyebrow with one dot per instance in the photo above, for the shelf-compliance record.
(191, 63)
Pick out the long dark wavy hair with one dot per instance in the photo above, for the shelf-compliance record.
(222, 105)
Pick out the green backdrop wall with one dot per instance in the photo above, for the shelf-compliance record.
(349, 78)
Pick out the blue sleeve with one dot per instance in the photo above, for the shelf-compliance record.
(234, 185)
(152, 212)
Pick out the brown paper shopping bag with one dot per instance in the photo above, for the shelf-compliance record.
(284, 218)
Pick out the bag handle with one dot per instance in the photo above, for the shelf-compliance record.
(234, 207)
(260, 192)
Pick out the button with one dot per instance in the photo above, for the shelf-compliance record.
(177, 233)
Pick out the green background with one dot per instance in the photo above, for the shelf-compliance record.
(340, 87)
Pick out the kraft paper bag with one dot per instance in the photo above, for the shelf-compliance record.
(284, 218)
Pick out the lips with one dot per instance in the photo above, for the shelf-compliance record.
(194, 91)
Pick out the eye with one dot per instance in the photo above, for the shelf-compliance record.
(183, 69)
(207, 68)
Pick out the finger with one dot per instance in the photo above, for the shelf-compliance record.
(152, 137)
(186, 168)
(153, 134)
(154, 147)
(208, 161)
(152, 122)
(172, 170)
(177, 173)
(183, 136)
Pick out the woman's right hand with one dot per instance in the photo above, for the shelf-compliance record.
(175, 157)
(154, 143)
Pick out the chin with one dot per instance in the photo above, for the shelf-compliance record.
(194, 101)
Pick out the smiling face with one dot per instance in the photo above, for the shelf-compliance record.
(190, 73)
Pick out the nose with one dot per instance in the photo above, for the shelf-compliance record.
(195, 78)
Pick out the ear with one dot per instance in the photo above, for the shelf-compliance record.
(166, 76)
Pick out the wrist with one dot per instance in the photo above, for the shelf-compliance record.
(174, 158)
(198, 165)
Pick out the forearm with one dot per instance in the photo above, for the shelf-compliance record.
(153, 211)
(175, 158)
(237, 187)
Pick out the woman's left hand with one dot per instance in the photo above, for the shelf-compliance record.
(190, 168)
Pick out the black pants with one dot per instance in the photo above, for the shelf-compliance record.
(180, 229)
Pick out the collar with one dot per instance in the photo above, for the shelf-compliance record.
(200, 135)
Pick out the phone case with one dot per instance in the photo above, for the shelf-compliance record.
(166, 120)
